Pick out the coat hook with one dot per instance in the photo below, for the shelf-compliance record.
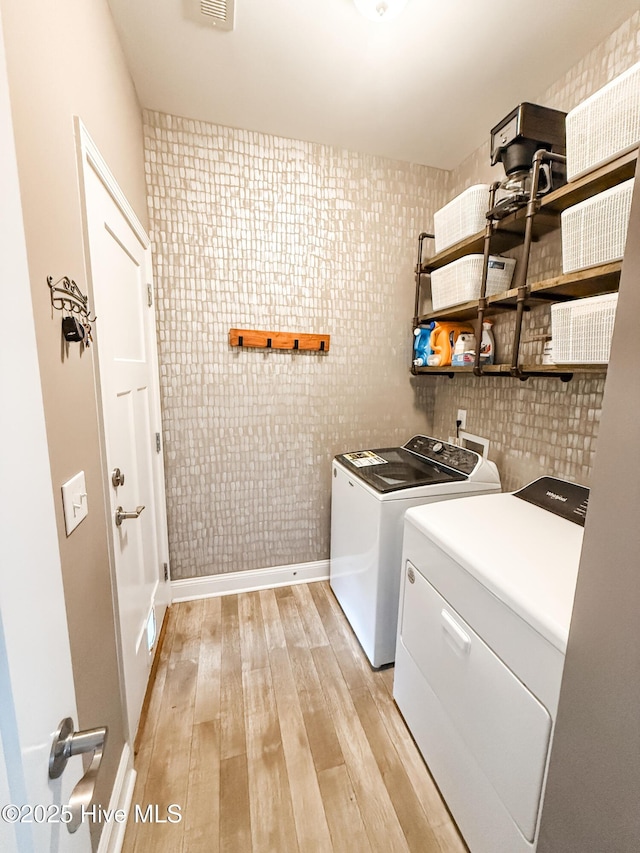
(67, 297)
(291, 341)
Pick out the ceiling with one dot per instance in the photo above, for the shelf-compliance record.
(426, 87)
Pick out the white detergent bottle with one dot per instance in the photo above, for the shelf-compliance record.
(464, 351)
(487, 344)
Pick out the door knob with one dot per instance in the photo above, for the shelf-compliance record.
(117, 478)
(122, 514)
(66, 743)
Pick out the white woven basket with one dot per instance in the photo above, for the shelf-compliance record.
(582, 329)
(605, 125)
(460, 280)
(595, 231)
(463, 217)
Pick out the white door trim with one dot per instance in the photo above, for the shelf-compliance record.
(88, 151)
(112, 837)
(89, 158)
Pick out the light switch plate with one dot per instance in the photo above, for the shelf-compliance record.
(74, 502)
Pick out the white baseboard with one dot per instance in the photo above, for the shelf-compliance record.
(234, 582)
(112, 836)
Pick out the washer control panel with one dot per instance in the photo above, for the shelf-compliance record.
(458, 458)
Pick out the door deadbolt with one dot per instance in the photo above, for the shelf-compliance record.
(117, 478)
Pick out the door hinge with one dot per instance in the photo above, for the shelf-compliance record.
(158, 444)
(150, 295)
(165, 566)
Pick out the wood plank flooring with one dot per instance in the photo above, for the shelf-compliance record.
(268, 727)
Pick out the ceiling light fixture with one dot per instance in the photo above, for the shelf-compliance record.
(380, 10)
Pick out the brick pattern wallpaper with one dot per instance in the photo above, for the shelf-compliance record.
(250, 230)
(253, 231)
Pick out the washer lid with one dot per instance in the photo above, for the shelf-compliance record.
(526, 556)
(391, 469)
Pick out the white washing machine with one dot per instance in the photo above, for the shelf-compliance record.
(371, 491)
(485, 606)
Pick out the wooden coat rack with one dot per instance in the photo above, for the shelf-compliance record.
(278, 340)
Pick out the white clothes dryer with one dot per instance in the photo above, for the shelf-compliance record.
(485, 607)
(371, 490)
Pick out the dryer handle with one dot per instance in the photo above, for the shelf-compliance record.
(460, 638)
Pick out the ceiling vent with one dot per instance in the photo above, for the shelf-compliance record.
(215, 13)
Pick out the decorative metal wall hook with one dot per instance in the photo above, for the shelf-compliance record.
(67, 296)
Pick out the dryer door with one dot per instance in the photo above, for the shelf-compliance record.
(503, 727)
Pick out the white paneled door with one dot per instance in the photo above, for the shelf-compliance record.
(36, 681)
(122, 294)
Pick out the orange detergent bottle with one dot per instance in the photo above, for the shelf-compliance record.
(442, 342)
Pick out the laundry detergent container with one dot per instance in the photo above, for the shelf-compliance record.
(460, 281)
(605, 125)
(595, 231)
(443, 340)
(462, 217)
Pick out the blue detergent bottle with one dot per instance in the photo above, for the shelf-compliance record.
(421, 347)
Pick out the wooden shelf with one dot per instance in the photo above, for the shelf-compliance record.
(603, 178)
(496, 369)
(527, 370)
(468, 246)
(466, 311)
(456, 313)
(576, 285)
(507, 235)
(510, 229)
(590, 282)
(513, 227)
(551, 369)
(449, 370)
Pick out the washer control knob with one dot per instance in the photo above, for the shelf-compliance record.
(438, 447)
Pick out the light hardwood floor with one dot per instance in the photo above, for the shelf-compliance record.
(269, 729)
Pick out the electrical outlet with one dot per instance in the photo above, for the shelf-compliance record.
(462, 418)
